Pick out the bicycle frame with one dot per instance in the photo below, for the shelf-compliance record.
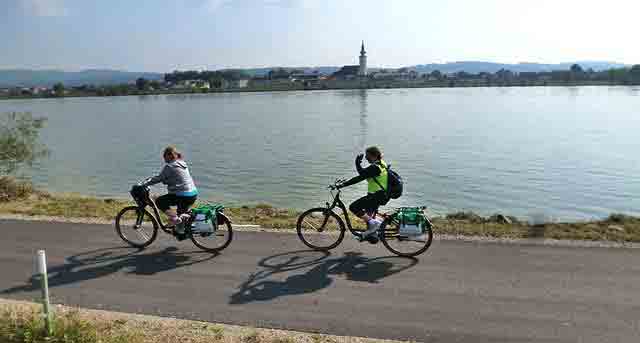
(390, 228)
(337, 202)
(148, 201)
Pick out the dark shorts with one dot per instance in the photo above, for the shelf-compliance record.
(368, 203)
(183, 203)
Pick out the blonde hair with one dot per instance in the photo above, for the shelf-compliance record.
(173, 151)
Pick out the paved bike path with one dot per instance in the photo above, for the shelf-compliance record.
(456, 292)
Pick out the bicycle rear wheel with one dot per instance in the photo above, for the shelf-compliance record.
(214, 241)
(136, 226)
(406, 246)
(320, 229)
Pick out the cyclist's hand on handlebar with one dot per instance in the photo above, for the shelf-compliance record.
(336, 186)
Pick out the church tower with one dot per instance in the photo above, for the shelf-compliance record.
(362, 71)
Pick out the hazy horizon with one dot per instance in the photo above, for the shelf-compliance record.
(162, 35)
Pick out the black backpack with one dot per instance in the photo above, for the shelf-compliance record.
(394, 183)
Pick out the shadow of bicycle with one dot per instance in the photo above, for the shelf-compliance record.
(99, 263)
(320, 270)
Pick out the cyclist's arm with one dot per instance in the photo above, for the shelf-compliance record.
(352, 181)
(156, 179)
(359, 168)
(366, 173)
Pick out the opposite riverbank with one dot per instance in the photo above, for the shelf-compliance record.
(21, 200)
(339, 86)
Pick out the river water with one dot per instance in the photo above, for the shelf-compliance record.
(557, 153)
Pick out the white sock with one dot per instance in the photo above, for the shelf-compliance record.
(374, 221)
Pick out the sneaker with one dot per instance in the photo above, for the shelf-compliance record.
(179, 228)
(372, 239)
(372, 227)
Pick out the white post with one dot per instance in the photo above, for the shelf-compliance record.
(42, 272)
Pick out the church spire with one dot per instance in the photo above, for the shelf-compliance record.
(362, 70)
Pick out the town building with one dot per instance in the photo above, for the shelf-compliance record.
(351, 72)
(235, 84)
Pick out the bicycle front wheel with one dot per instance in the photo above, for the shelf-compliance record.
(320, 229)
(214, 241)
(136, 226)
(402, 245)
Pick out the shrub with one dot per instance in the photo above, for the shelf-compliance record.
(12, 189)
(466, 216)
(19, 141)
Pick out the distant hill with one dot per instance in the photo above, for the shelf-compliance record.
(31, 78)
(490, 67)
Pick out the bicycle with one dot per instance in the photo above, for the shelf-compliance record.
(134, 221)
(322, 229)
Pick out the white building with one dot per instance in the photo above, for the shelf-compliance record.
(362, 71)
(240, 83)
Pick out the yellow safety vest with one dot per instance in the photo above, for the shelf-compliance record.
(382, 179)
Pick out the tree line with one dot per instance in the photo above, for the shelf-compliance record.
(214, 77)
(575, 74)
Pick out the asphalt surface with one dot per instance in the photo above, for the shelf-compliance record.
(456, 292)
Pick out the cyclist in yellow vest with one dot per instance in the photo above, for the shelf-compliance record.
(376, 176)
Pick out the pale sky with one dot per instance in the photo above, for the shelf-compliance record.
(163, 35)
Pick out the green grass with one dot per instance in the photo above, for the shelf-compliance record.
(28, 327)
(65, 206)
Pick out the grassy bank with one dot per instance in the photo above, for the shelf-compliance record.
(22, 200)
(21, 323)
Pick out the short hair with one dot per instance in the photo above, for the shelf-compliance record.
(374, 151)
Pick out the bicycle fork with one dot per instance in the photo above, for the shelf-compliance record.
(139, 219)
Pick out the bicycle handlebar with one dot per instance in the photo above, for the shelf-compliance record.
(335, 185)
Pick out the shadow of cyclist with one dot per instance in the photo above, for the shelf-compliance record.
(352, 265)
(102, 262)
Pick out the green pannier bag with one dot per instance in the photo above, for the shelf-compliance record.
(205, 218)
(412, 221)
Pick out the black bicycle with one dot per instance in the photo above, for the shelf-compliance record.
(139, 228)
(323, 229)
